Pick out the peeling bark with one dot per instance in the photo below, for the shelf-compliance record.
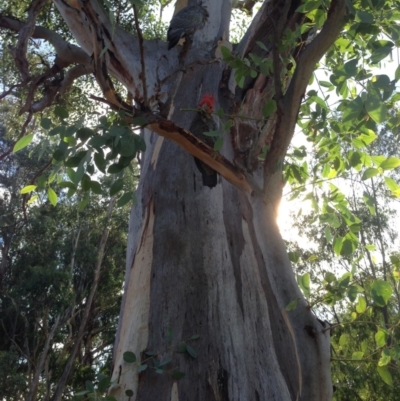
(208, 261)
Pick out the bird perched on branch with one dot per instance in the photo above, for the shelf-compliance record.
(204, 122)
(185, 23)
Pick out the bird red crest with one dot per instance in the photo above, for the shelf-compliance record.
(207, 100)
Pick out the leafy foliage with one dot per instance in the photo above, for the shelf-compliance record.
(46, 274)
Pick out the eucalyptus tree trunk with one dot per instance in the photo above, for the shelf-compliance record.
(213, 263)
(208, 263)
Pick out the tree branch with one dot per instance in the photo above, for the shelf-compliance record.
(66, 54)
(192, 145)
(305, 67)
(140, 39)
(25, 33)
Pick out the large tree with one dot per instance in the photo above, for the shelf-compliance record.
(204, 265)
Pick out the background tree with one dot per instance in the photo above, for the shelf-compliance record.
(356, 285)
(208, 262)
(48, 264)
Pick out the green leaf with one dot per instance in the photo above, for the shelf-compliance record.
(337, 245)
(329, 277)
(72, 161)
(308, 6)
(376, 109)
(361, 305)
(367, 137)
(70, 130)
(370, 172)
(294, 256)
(32, 199)
(393, 186)
(292, 305)
(182, 348)
(212, 134)
(96, 187)
(378, 159)
(365, 17)
(385, 358)
(395, 352)
(72, 176)
(385, 375)
(80, 393)
(160, 371)
(380, 49)
(304, 283)
(358, 355)
(89, 386)
(348, 246)
(60, 129)
(27, 189)
(262, 45)
(390, 163)
(115, 168)
(140, 121)
(344, 339)
(100, 162)
(61, 112)
(352, 109)
(83, 203)
(142, 368)
(116, 186)
(269, 108)
(71, 192)
(381, 338)
(84, 134)
(351, 68)
(195, 337)
(103, 384)
(352, 292)
(46, 123)
(191, 351)
(397, 73)
(165, 361)
(23, 142)
(178, 375)
(52, 196)
(124, 199)
(218, 144)
(226, 53)
(129, 357)
(86, 181)
(381, 292)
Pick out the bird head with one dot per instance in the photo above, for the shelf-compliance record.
(206, 103)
